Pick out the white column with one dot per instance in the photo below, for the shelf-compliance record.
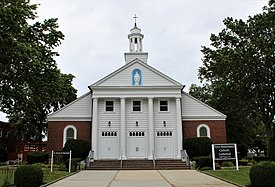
(179, 128)
(138, 44)
(122, 129)
(95, 128)
(151, 127)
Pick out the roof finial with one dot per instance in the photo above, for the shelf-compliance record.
(135, 17)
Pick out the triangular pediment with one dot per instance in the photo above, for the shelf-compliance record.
(124, 76)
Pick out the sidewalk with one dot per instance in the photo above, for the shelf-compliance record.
(140, 178)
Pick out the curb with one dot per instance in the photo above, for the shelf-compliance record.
(230, 182)
(54, 181)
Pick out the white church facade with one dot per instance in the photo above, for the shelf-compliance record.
(136, 112)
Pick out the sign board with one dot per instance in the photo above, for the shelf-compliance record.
(62, 153)
(224, 152)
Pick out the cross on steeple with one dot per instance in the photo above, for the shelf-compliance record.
(135, 17)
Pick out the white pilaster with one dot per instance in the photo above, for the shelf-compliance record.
(151, 127)
(122, 129)
(95, 128)
(179, 128)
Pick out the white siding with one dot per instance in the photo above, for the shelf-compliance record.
(80, 108)
(104, 117)
(195, 109)
(132, 117)
(169, 117)
(149, 78)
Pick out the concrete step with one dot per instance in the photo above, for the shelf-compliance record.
(137, 165)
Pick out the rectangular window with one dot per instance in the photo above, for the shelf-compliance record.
(109, 106)
(136, 106)
(163, 105)
(1, 133)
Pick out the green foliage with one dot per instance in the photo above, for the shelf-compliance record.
(74, 164)
(28, 175)
(238, 77)
(37, 157)
(227, 164)
(31, 85)
(200, 146)
(260, 158)
(3, 154)
(262, 174)
(271, 150)
(206, 168)
(203, 161)
(243, 162)
(79, 148)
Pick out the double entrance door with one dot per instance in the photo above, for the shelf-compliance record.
(136, 144)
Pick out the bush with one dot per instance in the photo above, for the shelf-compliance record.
(74, 164)
(200, 146)
(37, 157)
(206, 168)
(243, 162)
(262, 174)
(260, 158)
(203, 161)
(3, 154)
(28, 175)
(227, 164)
(79, 148)
(271, 150)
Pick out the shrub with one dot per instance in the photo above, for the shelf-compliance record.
(206, 168)
(271, 150)
(262, 174)
(3, 154)
(203, 161)
(79, 148)
(74, 163)
(218, 166)
(200, 146)
(37, 157)
(28, 175)
(227, 164)
(243, 162)
(260, 158)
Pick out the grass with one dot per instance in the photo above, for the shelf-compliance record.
(231, 174)
(7, 175)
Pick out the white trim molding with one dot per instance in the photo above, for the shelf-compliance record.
(207, 130)
(65, 133)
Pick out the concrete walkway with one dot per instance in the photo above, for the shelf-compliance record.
(140, 178)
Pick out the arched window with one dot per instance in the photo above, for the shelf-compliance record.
(203, 131)
(69, 133)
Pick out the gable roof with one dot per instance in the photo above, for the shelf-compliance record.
(193, 108)
(122, 76)
(79, 108)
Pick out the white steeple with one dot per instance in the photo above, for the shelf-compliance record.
(135, 45)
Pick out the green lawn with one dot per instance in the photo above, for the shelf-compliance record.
(48, 176)
(231, 174)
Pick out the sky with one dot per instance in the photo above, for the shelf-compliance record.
(174, 31)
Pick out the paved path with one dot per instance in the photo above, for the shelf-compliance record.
(140, 178)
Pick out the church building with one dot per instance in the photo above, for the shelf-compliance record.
(135, 112)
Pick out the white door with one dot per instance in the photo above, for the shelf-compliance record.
(109, 145)
(164, 144)
(136, 144)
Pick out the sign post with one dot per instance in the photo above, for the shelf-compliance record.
(62, 153)
(224, 152)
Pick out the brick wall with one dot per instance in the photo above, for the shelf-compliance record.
(217, 129)
(55, 132)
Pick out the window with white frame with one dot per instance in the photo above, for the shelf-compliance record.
(69, 133)
(163, 105)
(109, 106)
(136, 106)
(1, 133)
(203, 131)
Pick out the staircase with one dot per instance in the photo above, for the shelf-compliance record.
(138, 165)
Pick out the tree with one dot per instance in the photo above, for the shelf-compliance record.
(239, 72)
(31, 85)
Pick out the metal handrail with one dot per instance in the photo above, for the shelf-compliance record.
(185, 157)
(154, 162)
(90, 156)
